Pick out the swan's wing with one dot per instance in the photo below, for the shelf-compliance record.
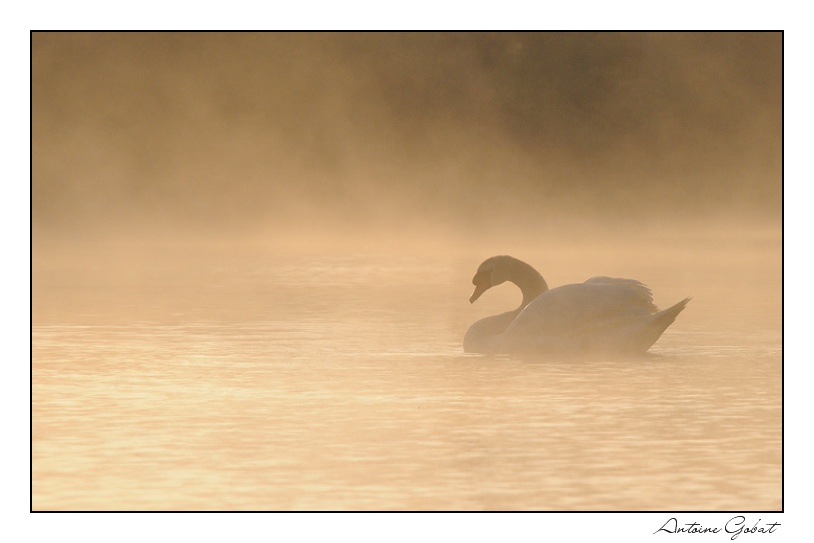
(632, 291)
(601, 314)
(595, 308)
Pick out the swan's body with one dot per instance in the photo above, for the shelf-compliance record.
(602, 314)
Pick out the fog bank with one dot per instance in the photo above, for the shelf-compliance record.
(156, 135)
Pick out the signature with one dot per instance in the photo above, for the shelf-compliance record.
(735, 526)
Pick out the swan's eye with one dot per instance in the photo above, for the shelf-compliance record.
(483, 276)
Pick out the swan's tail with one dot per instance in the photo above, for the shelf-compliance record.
(658, 323)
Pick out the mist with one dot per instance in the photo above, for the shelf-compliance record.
(253, 257)
(307, 136)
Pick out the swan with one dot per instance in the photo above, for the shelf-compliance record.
(603, 314)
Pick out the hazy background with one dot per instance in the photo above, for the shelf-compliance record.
(312, 136)
(252, 257)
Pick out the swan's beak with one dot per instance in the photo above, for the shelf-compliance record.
(482, 282)
(479, 289)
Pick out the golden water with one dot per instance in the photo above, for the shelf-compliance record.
(235, 379)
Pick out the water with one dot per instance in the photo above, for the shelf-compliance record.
(237, 379)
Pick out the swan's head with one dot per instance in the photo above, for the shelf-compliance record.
(492, 272)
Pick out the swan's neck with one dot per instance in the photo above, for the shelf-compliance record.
(529, 280)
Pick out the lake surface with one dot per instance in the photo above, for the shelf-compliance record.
(234, 379)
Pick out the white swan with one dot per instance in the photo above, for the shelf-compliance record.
(602, 314)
